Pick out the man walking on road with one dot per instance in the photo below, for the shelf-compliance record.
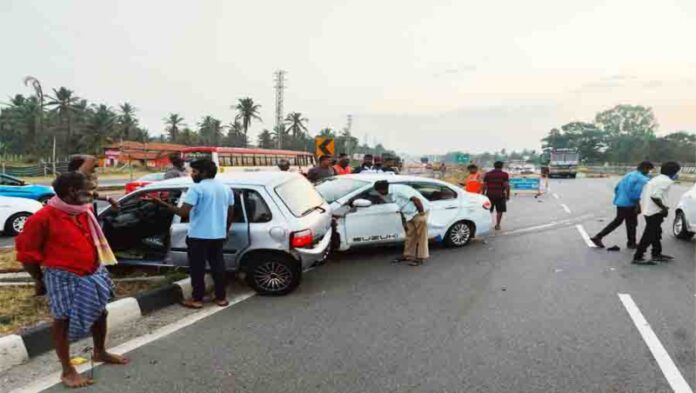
(177, 169)
(322, 171)
(653, 203)
(210, 206)
(627, 201)
(414, 210)
(66, 240)
(496, 186)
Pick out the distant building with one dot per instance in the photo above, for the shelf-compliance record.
(151, 155)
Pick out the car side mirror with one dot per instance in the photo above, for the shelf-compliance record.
(361, 203)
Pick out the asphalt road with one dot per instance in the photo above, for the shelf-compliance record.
(526, 310)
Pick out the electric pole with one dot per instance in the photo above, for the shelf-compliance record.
(279, 87)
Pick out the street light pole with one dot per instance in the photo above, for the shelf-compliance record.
(30, 80)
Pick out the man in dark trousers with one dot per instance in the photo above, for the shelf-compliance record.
(496, 186)
(627, 201)
(653, 203)
(209, 206)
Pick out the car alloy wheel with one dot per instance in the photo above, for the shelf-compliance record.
(18, 223)
(459, 234)
(273, 276)
(15, 224)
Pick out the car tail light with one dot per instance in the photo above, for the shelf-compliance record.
(487, 205)
(301, 239)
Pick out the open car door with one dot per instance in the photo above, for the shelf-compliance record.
(376, 224)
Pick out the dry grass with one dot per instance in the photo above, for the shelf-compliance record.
(8, 261)
(19, 308)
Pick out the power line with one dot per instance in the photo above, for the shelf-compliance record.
(279, 87)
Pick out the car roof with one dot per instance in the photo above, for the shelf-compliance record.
(392, 178)
(250, 178)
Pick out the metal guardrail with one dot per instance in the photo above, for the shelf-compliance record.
(42, 169)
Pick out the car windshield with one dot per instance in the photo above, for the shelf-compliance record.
(299, 196)
(152, 177)
(335, 188)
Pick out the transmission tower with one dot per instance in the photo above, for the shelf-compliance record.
(279, 87)
(350, 123)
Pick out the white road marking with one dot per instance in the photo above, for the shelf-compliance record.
(669, 369)
(585, 236)
(556, 196)
(544, 226)
(566, 208)
(53, 379)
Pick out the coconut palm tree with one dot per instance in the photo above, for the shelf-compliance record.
(67, 106)
(173, 121)
(296, 125)
(265, 140)
(246, 112)
(210, 131)
(127, 121)
(236, 136)
(99, 129)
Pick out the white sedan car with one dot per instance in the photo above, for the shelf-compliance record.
(14, 213)
(363, 218)
(684, 225)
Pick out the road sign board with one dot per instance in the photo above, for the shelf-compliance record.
(461, 158)
(324, 146)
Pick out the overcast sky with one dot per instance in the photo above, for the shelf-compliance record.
(426, 77)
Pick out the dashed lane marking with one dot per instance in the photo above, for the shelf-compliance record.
(585, 236)
(669, 369)
(556, 196)
(566, 208)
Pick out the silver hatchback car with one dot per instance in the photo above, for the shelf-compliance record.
(282, 227)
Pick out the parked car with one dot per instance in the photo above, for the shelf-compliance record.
(282, 227)
(11, 186)
(14, 213)
(364, 218)
(684, 225)
(143, 181)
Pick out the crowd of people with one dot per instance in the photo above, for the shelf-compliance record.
(329, 166)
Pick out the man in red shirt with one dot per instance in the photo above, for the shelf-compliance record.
(64, 250)
(496, 187)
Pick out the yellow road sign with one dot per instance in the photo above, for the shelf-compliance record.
(324, 146)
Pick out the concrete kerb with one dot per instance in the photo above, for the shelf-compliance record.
(16, 349)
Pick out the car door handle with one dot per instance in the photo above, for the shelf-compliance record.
(452, 207)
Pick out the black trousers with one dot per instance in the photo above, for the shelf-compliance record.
(201, 251)
(628, 214)
(652, 236)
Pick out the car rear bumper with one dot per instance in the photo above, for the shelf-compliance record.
(316, 254)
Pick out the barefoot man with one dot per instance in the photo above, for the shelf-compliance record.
(64, 250)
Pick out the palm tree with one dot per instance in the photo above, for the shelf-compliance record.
(296, 125)
(327, 133)
(247, 111)
(65, 104)
(99, 129)
(127, 121)
(236, 136)
(173, 121)
(281, 133)
(265, 140)
(210, 131)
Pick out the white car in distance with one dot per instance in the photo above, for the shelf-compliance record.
(14, 213)
(363, 218)
(684, 225)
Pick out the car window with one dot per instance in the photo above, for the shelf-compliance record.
(153, 177)
(335, 188)
(371, 195)
(238, 215)
(299, 195)
(256, 208)
(10, 181)
(434, 192)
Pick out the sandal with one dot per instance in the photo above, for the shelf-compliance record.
(192, 304)
(415, 263)
(222, 303)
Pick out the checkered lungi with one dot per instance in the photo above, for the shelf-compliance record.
(79, 299)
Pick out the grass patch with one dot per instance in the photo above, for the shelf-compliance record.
(19, 308)
(8, 261)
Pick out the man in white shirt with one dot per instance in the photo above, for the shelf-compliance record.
(653, 203)
(414, 209)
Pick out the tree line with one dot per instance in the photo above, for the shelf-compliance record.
(623, 134)
(29, 126)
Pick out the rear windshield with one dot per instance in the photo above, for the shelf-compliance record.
(335, 188)
(299, 196)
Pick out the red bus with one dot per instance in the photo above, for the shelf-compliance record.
(250, 159)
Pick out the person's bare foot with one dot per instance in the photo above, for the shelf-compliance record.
(110, 358)
(73, 380)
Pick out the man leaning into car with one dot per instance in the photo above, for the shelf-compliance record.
(414, 210)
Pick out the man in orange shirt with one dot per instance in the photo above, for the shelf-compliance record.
(343, 165)
(473, 181)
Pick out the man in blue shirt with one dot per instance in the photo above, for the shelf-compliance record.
(627, 200)
(209, 206)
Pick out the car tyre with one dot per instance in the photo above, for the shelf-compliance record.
(271, 274)
(459, 234)
(679, 227)
(15, 224)
(44, 199)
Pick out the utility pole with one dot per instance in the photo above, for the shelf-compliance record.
(279, 87)
(347, 144)
(30, 80)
